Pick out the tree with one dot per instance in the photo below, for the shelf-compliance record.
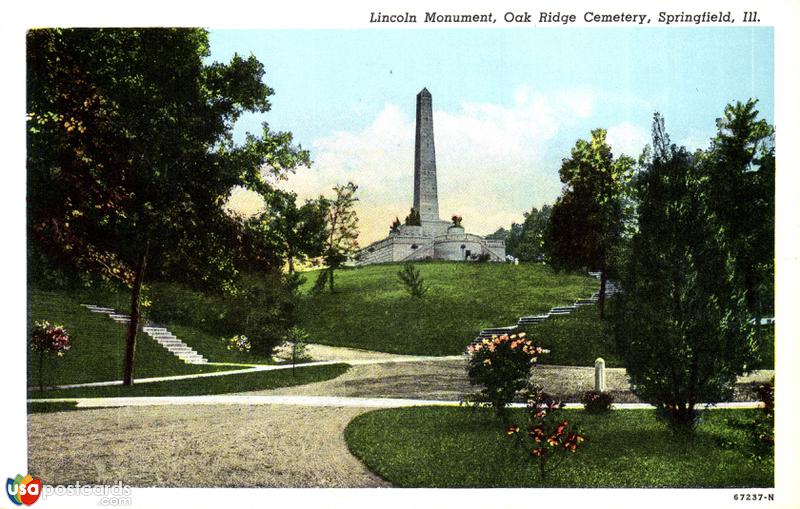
(500, 234)
(291, 231)
(740, 191)
(412, 281)
(586, 222)
(413, 218)
(682, 324)
(130, 154)
(341, 232)
(526, 241)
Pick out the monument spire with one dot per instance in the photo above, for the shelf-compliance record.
(426, 200)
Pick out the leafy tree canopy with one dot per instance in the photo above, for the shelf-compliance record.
(131, 157)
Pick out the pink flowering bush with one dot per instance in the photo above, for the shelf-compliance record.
(502, 366)
(48, 338)
(548, 438)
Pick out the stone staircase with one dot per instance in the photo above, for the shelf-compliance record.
(160, 334)
(611, 289)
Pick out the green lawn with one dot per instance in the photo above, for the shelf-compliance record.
(437, 447)
(372, 310)
(213, 347)
(98, 344)
(227, 384)
(576, 339)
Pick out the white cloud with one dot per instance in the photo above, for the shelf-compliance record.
(493, 161)
(694, 140)
(243, 202)
(628, 139)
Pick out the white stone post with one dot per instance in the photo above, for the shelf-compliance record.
(600, 375)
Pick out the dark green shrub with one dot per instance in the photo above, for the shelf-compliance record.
(412, 280)
(263, 308)
(763, 431)
(596, 402)
(413, 218)
(177, 303)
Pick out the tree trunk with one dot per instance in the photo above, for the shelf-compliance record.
(757, 318)
(330, 278)
(41, 371)
(290, 257)
(601, 302)
(133, 325)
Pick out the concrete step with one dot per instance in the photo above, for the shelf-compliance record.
(177, 346)
(533, 319)
(158, 333)
(97, 309)
(183, 353)
(497, 331)
(190, 356)
(500, 330)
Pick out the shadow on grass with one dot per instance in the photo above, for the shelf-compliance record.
(46, 407)
(224, 384)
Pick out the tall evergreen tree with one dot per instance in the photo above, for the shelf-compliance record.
(740, 189)
(682, 325)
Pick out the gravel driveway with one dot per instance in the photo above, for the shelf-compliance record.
(258, 446)
(197, 446)
(447, 380)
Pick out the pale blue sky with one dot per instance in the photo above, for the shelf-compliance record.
(343, 92)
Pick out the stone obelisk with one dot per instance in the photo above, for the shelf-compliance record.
(426, 200)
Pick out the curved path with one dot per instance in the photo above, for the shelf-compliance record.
(288, 437)
(197, 446)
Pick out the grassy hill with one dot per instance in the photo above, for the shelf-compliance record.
(371, 309)
(98, 345)
(577, 339)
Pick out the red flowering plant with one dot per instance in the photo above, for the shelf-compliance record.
(596, 402)
(48, 338)
(502, 365)
(548, 438)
